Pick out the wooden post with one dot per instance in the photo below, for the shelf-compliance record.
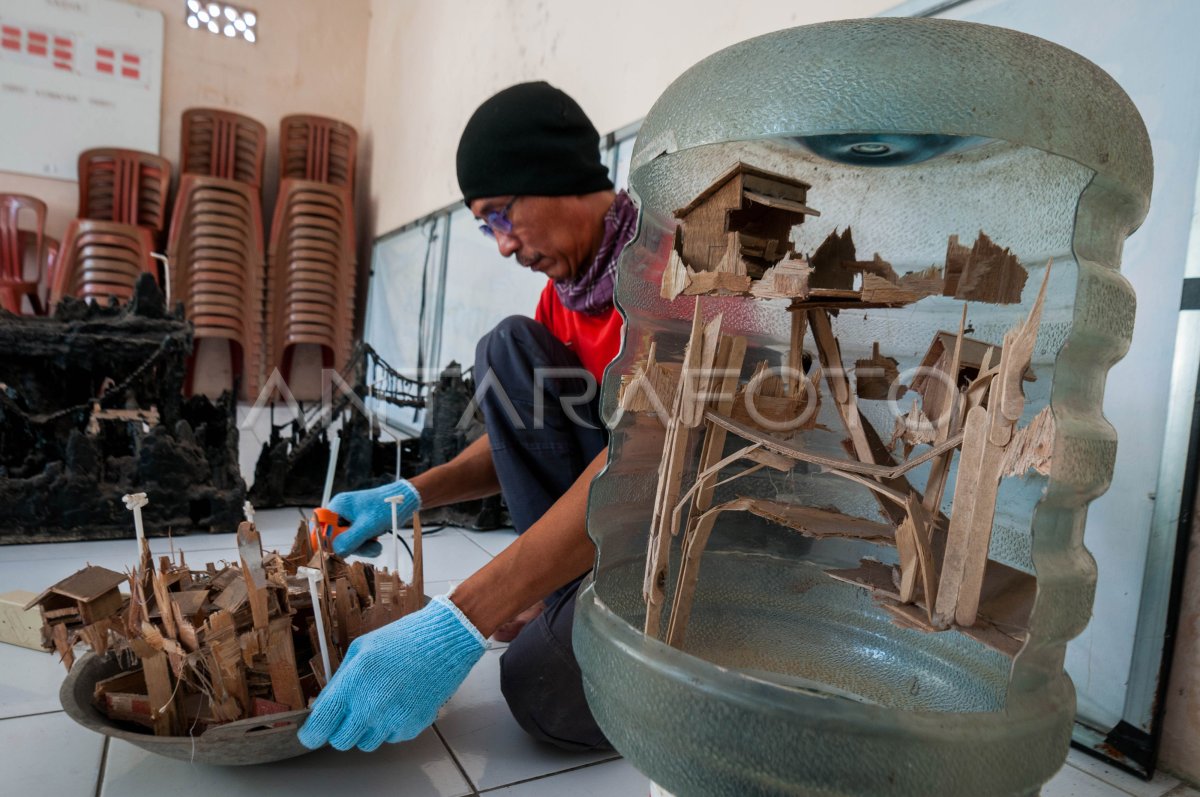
(796, 351)
(839, 384)
(669, 481)
(731, 355)
(418, 574)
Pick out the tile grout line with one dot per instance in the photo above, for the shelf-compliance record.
(551, 774)
(103, 766)
(32, 714)
(477, 545)
(1106, 782)
(480, 546)
(461, 770)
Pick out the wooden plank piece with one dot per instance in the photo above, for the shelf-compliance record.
(281, 663)
(250, 552)
(962, 518)
(158, 687)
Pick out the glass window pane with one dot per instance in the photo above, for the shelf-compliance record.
(405, 268)
(624, 156)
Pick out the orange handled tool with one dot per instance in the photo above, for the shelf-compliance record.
(323, 526)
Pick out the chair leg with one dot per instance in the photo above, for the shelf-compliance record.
(11, 300)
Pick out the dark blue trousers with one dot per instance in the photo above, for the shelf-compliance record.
(542, 414)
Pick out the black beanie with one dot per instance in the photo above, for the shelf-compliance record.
(530, 140)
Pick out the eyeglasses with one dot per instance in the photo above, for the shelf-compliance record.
(497, 221)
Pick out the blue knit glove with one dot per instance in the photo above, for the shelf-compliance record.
(371, 516)
(394, 679)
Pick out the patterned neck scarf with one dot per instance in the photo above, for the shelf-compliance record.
(591, 292)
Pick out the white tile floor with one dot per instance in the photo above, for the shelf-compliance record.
(474, 748)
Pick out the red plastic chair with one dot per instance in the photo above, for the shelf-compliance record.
(15, 284)
(311, 273)
(318, 148)
(223, 144)
(101, 258)
(217, 270)
(125, 186)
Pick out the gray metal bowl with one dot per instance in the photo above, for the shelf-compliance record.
(257, 740)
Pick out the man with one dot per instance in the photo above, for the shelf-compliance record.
(529, 168)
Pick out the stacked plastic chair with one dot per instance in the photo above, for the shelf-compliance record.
(125, 186)
(216, 240)
(318, 148)
(223, 144)
(311, 253)
(123, 196)
(26, 255)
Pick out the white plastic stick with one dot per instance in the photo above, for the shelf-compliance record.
(334, 445)
(395, 501)
(135, 502)
(313, 575)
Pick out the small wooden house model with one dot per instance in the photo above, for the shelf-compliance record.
(932, 382)
(737, 229)
(91, 594)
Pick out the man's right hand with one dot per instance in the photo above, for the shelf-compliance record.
(394, 679)
(370, 515)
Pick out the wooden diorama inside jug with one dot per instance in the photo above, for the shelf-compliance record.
(856, 423)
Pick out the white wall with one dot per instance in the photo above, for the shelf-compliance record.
(431, 62)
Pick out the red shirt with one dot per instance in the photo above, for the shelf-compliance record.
(595, 339)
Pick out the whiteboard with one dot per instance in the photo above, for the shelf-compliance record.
(76, 74)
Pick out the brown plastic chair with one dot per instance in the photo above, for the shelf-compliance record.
(223, 144)
(125, 186)
(317, 148)
(311, 272)
(101, 258)
(215, 249)
(15, 283)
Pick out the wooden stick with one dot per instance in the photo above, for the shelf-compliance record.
(962, 519)
(689, 575)
(830, 354)
(669, 481)
(796, 350)
(698, 374)
(939, 472)
(943, 425)
(910, 565)
(731, 355)
(921, 566)
(708, 475)
(895, 496)
(845, 465)
(418, 577)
